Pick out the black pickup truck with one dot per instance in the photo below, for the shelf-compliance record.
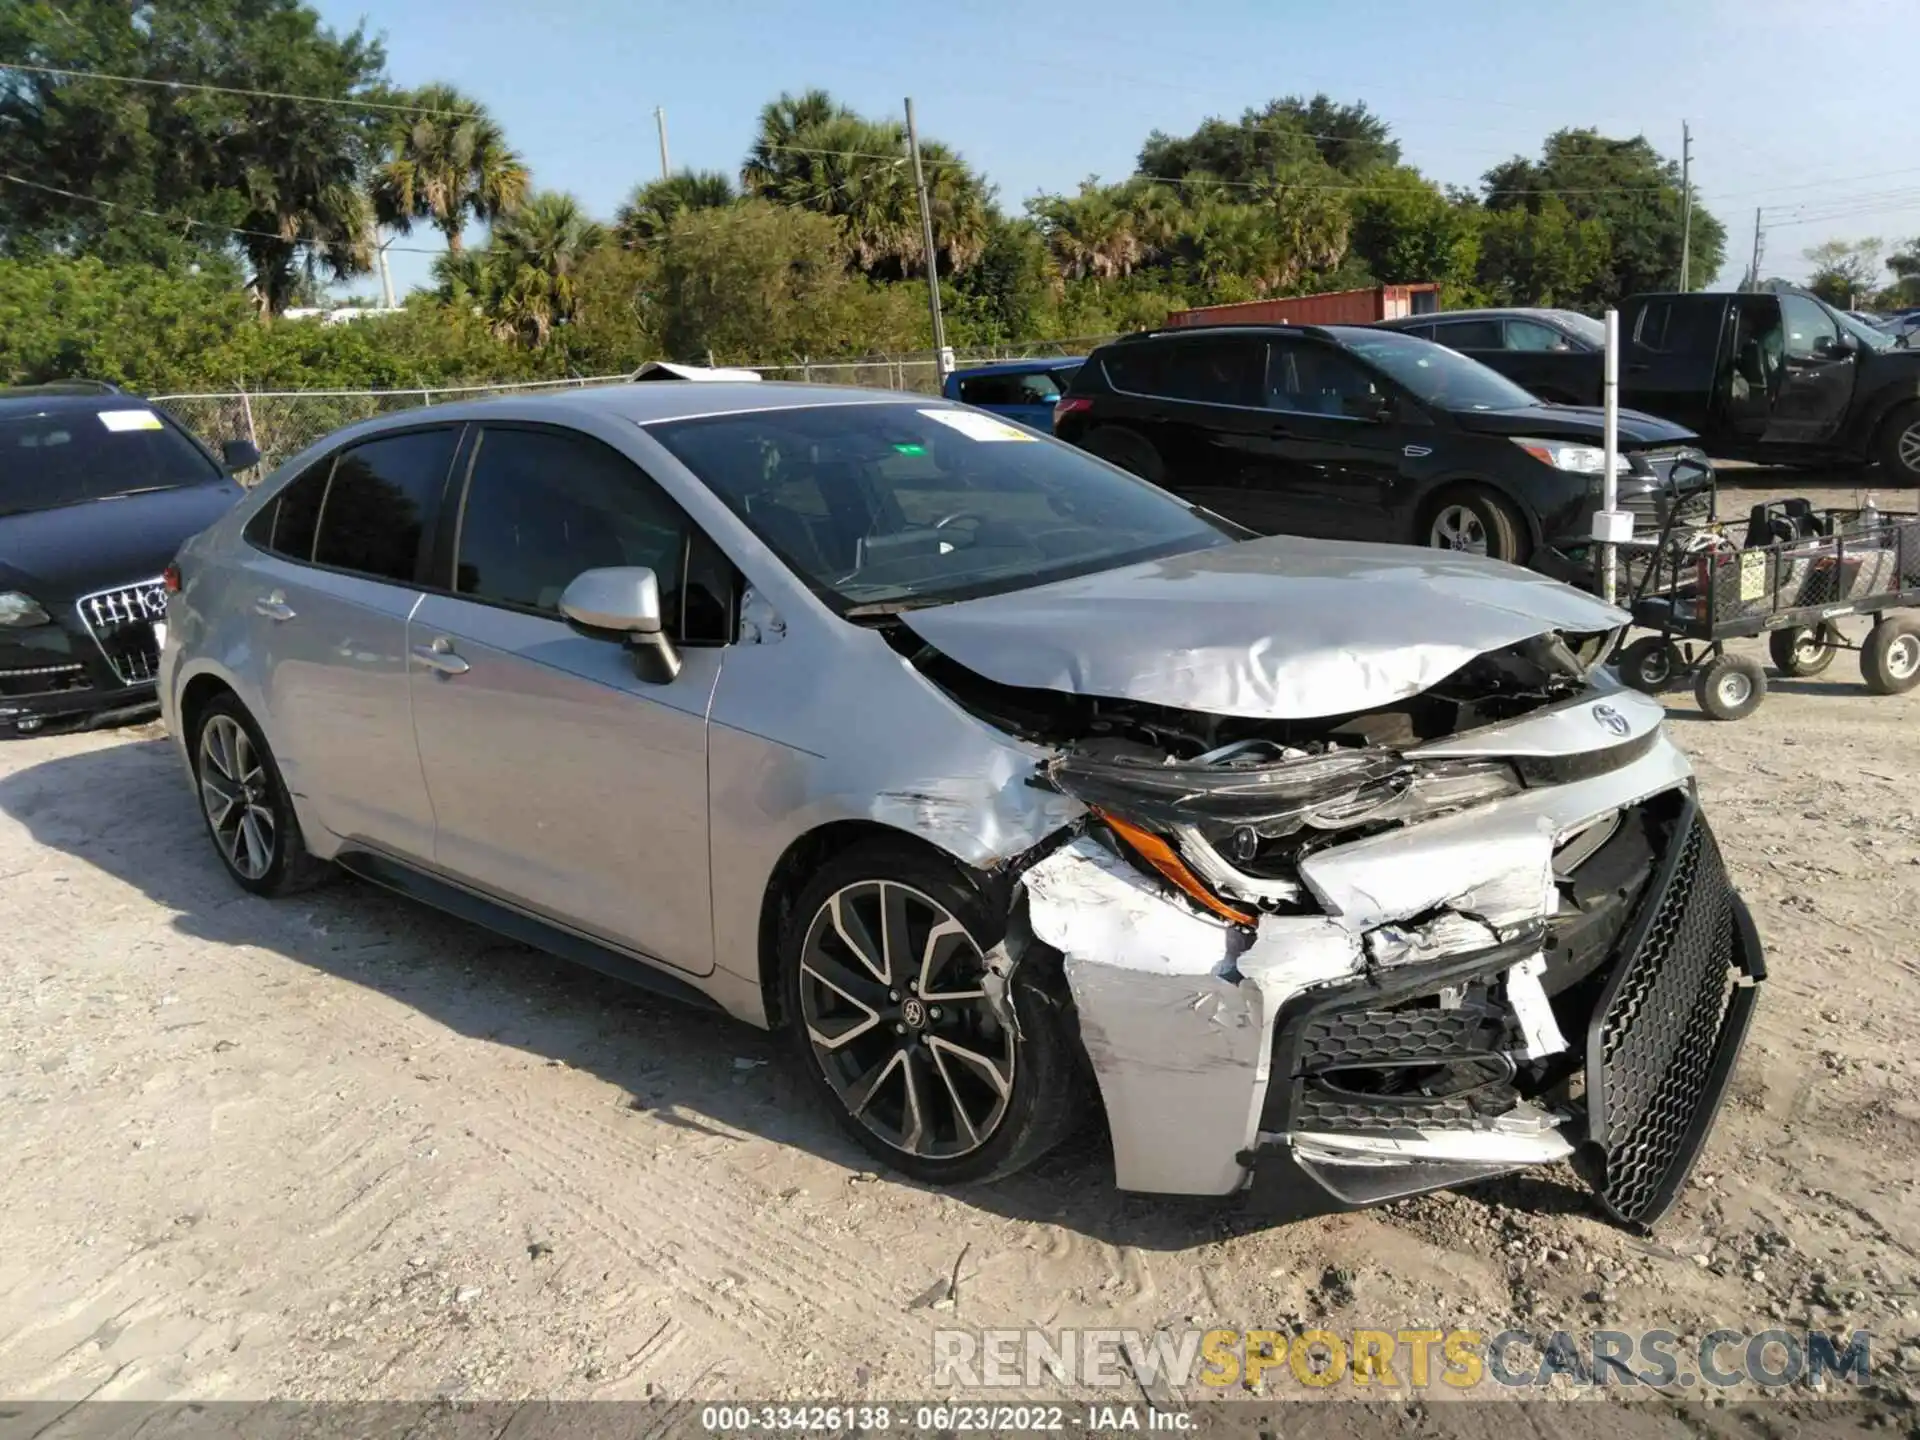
(1777, 377)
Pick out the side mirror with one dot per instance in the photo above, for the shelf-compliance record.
(1366, 407)
(239, 455)
(624, 603)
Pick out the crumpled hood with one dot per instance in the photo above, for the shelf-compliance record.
(1279, 628)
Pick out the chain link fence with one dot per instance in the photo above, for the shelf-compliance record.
(284, 422)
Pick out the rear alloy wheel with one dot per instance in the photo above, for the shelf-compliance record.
(1804, 652)
(1890, 660)
(1131, 452)
(1731, 687)
(244, 802)
(1900, 444)
(886, 985)
(1475, 521)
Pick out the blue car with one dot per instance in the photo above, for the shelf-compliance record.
(1022, 390)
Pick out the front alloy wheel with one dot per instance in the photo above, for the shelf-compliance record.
(1456, 527)
(935, 1065)
(893, 998)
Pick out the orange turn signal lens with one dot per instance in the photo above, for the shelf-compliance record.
(1167, 862)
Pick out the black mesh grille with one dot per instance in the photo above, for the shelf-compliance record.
(1356, 1037)
(1658, 1037)
(1321, 1113)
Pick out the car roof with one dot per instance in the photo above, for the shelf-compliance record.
(1022, 367)
(1484, 312)
(64, 400)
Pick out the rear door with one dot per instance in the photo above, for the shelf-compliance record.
(1817, 376)
(561, 782)
(1200, 401)
(1670, 359)
(342, 549)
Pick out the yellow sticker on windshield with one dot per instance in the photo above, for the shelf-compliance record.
(119, 420)
(975, 426)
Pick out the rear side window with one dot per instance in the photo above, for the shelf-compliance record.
(1469, 334)
(543, 506)
(1677, 327)
(1135, 368)
(378, 501)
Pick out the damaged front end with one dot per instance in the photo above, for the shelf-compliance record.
(1480, 927)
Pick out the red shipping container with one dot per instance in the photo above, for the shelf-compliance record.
(1337, 307)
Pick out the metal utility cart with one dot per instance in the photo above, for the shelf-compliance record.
(1798, 572)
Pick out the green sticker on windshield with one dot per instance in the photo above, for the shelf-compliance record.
(911, 448)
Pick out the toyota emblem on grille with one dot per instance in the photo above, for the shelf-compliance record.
(1611, 719)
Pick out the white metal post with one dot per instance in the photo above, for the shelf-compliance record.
(1610, 483)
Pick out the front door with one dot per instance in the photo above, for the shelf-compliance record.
(1331, 446)
(330, 596)
(1817, 373)
(561, 782)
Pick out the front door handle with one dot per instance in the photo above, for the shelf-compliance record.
(274, 606)
(439, 657)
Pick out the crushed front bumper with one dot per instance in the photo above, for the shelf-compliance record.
(1603, 1028)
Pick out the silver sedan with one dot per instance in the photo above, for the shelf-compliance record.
(1007, 785)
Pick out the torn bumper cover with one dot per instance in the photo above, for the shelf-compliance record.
(1560, 971)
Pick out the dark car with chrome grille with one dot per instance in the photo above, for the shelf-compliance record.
(98, 489)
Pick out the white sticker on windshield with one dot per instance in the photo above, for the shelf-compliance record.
(976, 426)
(118, 420)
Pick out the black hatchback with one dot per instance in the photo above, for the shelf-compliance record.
(97, 491)
(1355, 433)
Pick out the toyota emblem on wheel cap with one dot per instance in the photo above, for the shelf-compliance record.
(1611, 718)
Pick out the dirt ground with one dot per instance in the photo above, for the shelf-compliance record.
(344, 1147)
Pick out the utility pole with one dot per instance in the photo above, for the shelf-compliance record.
(1686, 204)
(941, 362)
(1754, 274)
(660, 122)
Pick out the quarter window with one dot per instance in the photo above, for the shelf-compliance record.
(287, 523)
(543, 506)
(374, 516)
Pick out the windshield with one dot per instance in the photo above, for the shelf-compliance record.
(882, 504)
(1584, 326)
(70, 455)
(1433, 373)
(1867, 335)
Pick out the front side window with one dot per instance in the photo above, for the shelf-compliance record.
(1810, 331)
(1469, 334)
(70, 455)
(1312, 379)
(543, 506)
(1434, 373)
(1532, 335)
(885, 504)
(379, 496)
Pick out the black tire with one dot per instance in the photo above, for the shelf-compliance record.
(1131, 452)
(1804, 651)
(1466, 514)
(1649, 664)
(284, 867)
(1045, 1099)
(1890, 660)
(1731, 687)
(1899, 447)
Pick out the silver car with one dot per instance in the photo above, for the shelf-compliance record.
(1006, 784)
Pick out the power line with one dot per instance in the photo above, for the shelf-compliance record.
(338, 100)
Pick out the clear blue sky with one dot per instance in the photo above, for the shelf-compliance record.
(1794, 103)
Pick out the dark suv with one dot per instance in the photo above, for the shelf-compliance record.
(97, 491)
(1356, 433)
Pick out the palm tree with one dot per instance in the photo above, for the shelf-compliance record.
(535, 256)
(447, 162)
(320, 226)
(1093, 234)
(653, 207)
(779, 150)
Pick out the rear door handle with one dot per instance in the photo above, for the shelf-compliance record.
(274, 606)
(1638, 367)
(439, 657)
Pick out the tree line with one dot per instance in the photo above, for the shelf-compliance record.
(147, 225)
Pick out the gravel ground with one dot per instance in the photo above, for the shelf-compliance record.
(343, 1147)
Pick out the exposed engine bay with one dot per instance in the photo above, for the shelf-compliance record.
(1476, 927)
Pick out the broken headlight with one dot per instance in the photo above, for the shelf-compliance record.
(1230, 823)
